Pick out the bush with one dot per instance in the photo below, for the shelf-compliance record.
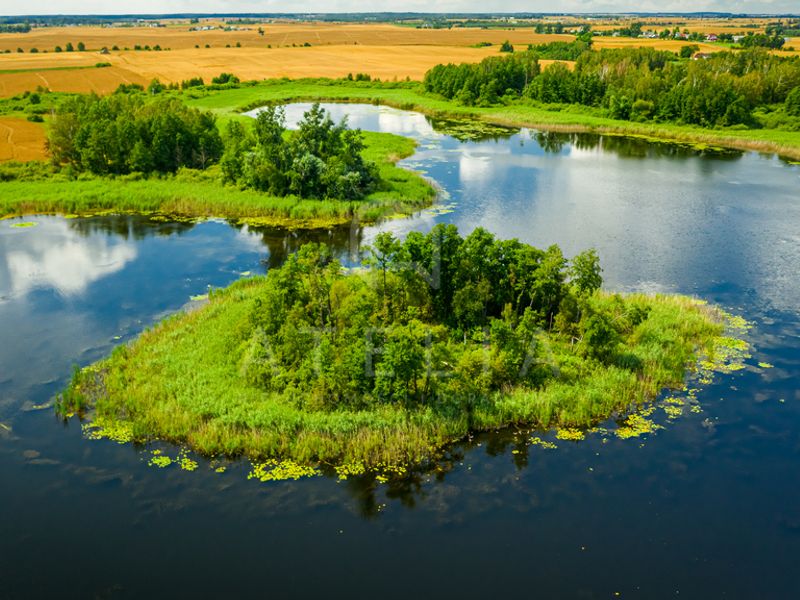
(225, 78)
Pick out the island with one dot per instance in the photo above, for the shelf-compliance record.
(436, 336)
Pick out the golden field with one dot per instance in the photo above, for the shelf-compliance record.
(384, 51)
(21, 140)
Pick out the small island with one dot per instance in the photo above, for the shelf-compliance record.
(437, 336)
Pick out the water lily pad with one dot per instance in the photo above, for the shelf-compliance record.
(24, 224)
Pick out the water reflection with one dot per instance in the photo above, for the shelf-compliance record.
(130, 227)
(56, 255)
(703, 499)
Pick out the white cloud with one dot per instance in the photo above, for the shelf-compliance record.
(55, 256)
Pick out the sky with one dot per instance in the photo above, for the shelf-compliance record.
(14, 7)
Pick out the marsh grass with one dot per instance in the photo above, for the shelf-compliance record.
(27, 189)
(182, 382)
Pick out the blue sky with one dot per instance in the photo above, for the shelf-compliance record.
(11, 7)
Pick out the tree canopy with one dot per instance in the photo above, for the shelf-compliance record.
(322, 159)
(629, 83)
(441, 317)
(123, 133)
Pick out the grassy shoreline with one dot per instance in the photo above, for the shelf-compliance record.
(142, 392)
(409, 96)
(198, 194)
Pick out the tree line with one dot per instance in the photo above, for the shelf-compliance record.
(123, 133)
(631, 83)
(438, 317)
(128, 132)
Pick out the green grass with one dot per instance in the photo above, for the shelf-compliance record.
(410, 96)
(33, 189)
(183, 382)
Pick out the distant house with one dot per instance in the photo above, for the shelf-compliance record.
(701, 56)
(737, 38)
(712, 37)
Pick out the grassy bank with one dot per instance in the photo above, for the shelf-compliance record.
(410, 96)
(186, 381)
(198, 194)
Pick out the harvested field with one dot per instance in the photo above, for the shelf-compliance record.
(21, 140)
(101, 81)
(386, 62)
(178, 36)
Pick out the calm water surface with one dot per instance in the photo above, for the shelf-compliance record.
(707, 507)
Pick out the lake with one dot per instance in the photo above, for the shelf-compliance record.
(706, 507)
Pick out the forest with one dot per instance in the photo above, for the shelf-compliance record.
(636, 84)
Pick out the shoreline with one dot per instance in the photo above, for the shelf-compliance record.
(513, 115)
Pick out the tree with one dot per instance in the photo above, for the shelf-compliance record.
(585, 272)
(600, 338)
(384, 252)
(320, 160)
(69, 47)
(155, 87)
(506, 47)
(81, 46)
(689, 51)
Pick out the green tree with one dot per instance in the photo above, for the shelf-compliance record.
(585, 272)
(689, 50)
(155, 87)
(383, 253)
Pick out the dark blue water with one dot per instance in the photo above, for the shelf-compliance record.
(708, 507)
